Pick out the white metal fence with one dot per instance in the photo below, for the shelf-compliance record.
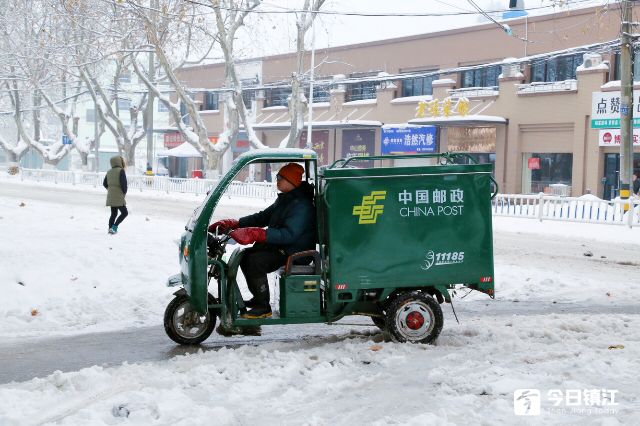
(541, 207)
(264, 190)
(573, 209)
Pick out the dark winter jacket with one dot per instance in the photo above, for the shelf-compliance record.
(291, 220)
(116, 183)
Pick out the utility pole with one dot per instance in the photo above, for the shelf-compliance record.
(150, 96)
(626, 104)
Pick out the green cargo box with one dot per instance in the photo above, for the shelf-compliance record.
(408, 227)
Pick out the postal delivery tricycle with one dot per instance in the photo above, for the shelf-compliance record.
(392, 243)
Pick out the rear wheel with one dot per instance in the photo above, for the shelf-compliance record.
(414, 317)
(186, 326)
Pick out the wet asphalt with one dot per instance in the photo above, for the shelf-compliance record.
(25, 360)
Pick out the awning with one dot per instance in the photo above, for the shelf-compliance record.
(184, 150)
(461, 121)
(346, 124)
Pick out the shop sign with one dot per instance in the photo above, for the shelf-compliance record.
(408, 140)
(358, 143)
(320, 144)
(606, 108)
(446, 107)
(533, 163)
(172, 140)
(241, 144)
(611, 137)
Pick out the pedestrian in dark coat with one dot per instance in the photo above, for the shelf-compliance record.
(116, 184)
(291, 228)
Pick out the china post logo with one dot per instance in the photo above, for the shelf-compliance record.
(368, 211)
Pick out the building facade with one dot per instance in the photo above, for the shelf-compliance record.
(534, 116)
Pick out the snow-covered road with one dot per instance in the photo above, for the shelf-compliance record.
(565, 292)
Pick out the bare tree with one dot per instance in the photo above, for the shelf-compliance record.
(230, 16)
(297, 101)
(15, 149)
(32, 77)
(174, 33)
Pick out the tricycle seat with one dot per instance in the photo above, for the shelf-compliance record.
(298, 270)
(291, 268)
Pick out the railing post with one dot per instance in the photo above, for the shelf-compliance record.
(540, 205)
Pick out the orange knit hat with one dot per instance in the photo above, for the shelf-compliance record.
(293, 173)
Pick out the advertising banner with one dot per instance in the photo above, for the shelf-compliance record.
(605, 110)
(320, 144)
(172, 140)
(408, 140)
(611, 137)
(358, 143)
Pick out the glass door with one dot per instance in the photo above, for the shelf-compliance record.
(611, 179)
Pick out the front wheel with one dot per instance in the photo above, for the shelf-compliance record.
(414, 317)
(186, 326)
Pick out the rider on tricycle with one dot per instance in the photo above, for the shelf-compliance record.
(392, 242)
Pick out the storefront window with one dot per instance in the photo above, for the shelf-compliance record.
(548, 173)
(418, 86)
(361, 91)
(556, 69)
(210, 101)
(479, 143)
(481, 77)
(248, 96)
(321, 93)
(278, 96)
(636, 65)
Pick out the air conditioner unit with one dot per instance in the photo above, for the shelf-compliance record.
(591, 60)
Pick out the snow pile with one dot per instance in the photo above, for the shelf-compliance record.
(467, 378)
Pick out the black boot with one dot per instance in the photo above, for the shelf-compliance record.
(251, 303)
(259, 305)
(257, 312)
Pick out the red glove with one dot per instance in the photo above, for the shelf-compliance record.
(249, 235)
(225, 225)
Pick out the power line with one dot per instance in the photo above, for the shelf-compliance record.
(377, 14)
